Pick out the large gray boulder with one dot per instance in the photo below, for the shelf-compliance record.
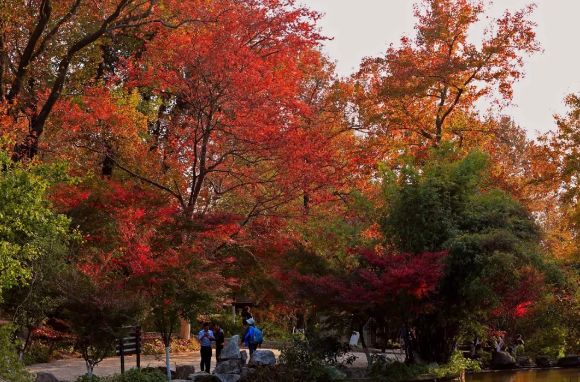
(525, 361)
(263, 358)
(232, 349)
(228, 366)
(184, 371)
(45, 377)
(228, 377)
(502, 360)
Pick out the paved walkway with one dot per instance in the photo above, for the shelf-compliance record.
(72, 368)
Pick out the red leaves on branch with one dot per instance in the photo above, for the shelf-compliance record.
(134, 235)
(519, 295)
(377, 282)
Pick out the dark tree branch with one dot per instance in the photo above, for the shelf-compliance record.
(45, 10)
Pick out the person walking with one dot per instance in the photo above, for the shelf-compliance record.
(205, 338)
(246, 314)
(248, 336)
(219, 341)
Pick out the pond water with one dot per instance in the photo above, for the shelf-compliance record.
(552, 375)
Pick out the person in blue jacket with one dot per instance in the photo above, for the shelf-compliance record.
(248, 336)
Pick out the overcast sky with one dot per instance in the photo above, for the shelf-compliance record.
(363, 28)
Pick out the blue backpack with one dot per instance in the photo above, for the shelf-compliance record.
(257, 336)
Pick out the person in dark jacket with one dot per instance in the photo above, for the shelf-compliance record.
(246, 314)
(218, 334)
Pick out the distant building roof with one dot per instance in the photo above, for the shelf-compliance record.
(240, 300)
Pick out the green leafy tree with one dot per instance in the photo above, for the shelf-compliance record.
(29, 305)
(29, 228)
(495, 269)
(11, 368)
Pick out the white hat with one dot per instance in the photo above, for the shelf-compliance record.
(250, 321)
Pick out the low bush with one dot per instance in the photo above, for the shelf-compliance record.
(86, 378)
(385, 370)
(313, 358)
(133, 375)
(457, 364)
(11, 369)
(38, 353)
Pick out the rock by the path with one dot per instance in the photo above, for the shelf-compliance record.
(246, 372)
(228, 377)
(203, 376)
(184, 371)
(231, 350)
(45, 377)
(263, 358)
(569, 361)
(244, 356)
(525, 361)
(502, 360)
(544, 361)
(230, 366)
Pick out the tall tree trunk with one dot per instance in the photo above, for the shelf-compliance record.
(435, 338)
(363, 342)
(3, 64)
(90, 368)
(26, 343)
(168, 362)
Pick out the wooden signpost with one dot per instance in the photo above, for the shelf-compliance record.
(130, 345)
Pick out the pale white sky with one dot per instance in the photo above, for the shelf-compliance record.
(366, 27)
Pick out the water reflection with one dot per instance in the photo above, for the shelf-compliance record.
(558, 375)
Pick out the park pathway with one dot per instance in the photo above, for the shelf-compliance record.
(72, 368)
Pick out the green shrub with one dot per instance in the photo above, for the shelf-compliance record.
(37, 353)
(11, 369)
(274, 331)
(86, 378)
(132, 375)
(456, 365)
(384, 370)
(316, 358)
(136, 375)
